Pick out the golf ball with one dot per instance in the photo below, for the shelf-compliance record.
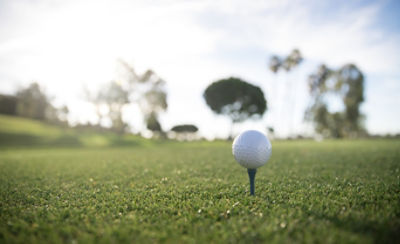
(251, 149)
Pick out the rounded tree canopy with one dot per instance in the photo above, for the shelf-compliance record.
(185, 129)
(235, 98)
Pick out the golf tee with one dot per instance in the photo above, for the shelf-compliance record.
(252, 176)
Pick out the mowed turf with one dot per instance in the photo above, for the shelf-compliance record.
(329, 192)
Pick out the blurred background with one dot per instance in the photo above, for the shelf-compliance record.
(71, 71)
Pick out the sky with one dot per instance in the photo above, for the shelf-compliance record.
(68, 46)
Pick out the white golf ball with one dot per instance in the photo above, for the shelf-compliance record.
(251, 149)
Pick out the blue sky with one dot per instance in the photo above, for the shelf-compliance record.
(68, 45)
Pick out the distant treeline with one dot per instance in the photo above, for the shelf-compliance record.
(231, 97)
(32, 102)
(8, 104)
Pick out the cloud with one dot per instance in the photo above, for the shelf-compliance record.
(348, 35)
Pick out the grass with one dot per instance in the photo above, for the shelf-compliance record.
(23, 132)
(329, 192)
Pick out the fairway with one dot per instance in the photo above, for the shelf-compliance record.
(328, 192)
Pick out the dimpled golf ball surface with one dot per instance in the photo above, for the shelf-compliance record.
(251, 149)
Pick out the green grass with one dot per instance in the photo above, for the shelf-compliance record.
(329, 192)
(23, 132)
(19, 125)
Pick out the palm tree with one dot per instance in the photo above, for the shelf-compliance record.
(287, 64)
(291, 62)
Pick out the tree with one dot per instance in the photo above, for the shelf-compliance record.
(236, 99)
(347, 83)
(185, 128)
(8, 104)
(146, 90)
(113, 97)
(63, 113)
(350, 86)
(185, 131)
(292, 60)
(275, 63)
(286, 64)
(32, 102)
(153, 102)
(153, 124)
